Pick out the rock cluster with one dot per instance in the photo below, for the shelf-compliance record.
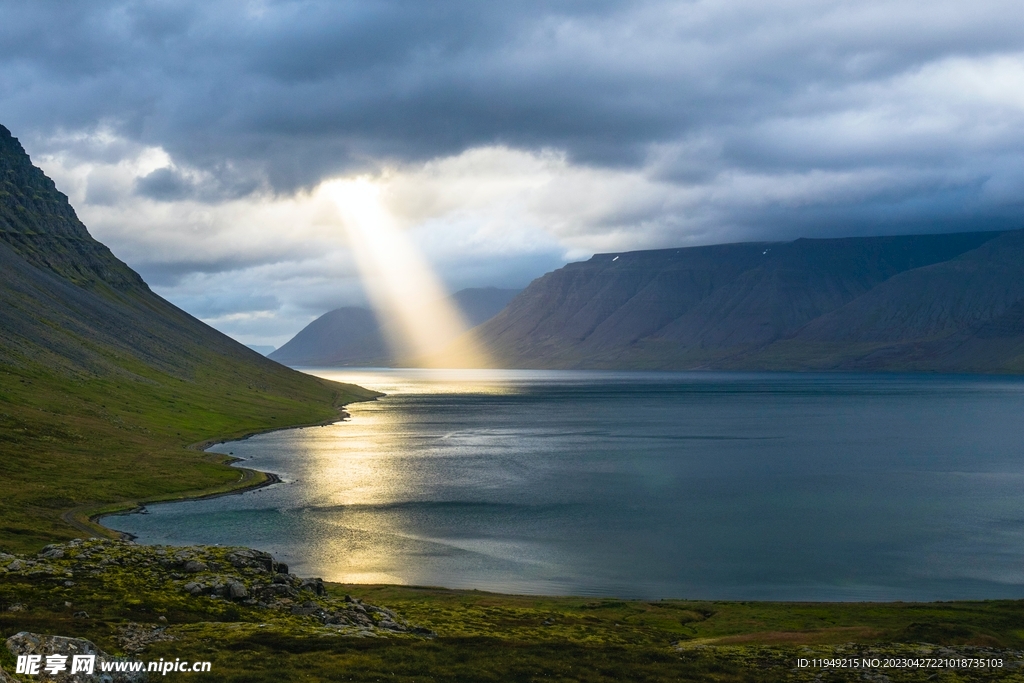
(243, 576)
(26, 643)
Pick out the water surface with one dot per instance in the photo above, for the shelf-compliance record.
(699, 485)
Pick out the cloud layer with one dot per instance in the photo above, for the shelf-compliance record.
(192, 137)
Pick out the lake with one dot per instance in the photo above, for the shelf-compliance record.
(652, 485)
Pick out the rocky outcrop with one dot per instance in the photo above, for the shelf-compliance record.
(241, 576)
(65, 649)
(38, 223)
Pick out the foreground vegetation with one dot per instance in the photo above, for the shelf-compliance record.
(73, 446)
(149, 603)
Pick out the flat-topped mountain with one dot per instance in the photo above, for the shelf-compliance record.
(352, 335)
(948, 302)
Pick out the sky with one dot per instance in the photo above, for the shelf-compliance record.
(504, 139)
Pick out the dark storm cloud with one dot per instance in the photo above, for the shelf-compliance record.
(302, 89)
(257, 95)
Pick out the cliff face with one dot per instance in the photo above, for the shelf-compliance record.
(883, 303)
(38, 224)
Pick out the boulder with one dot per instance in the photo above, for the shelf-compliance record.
(52, 552)
(251, 559)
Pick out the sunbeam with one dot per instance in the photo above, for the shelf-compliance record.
(419, 320)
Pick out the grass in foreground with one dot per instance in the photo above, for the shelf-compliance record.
(126, 589)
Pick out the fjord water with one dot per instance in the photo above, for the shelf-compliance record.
(699, 485)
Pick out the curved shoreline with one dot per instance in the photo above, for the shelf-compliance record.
(87, 518)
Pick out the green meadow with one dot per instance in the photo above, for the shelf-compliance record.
(76, 446)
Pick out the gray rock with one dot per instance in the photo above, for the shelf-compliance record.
(237, 590)
(251, 559)
(306, 609)
(52, 552)
(16, 566)
(195, 566)
(26, 643)
(4, 678)
(277, 590)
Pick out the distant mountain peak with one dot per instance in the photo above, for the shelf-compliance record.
(352, 335)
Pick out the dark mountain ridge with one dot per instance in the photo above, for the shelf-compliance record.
(69, 303)
(38, 224)
(801, 305)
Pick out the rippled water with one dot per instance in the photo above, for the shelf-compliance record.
(752, 486)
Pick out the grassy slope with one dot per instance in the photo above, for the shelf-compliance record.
(70, 442)
(103, 384)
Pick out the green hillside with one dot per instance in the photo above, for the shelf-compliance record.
(104, 385)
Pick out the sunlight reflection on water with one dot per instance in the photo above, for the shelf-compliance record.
(808, 487)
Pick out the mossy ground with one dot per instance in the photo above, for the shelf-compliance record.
(488, 637)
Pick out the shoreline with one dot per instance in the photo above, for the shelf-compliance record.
(87, 518)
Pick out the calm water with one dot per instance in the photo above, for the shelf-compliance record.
(769, 486)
